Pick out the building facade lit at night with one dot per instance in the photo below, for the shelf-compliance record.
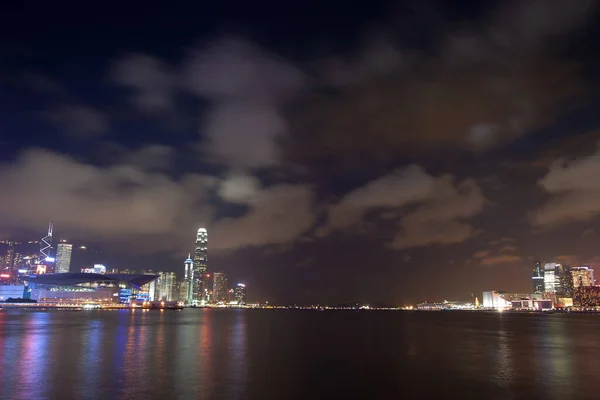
(188, 280)
(63, 257)
(240, 294)
(219, 287)
(552, 277)
(582, 276)
(200, 290)
(538, 278)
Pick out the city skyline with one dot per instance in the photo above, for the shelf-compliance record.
(408, 150)
(549, 278)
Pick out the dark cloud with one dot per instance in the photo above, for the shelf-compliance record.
(113, 203)
(501, 259)
(153, 81)
(277, 215)
(480, 88)
(247, 88)
(80, 120)
(438, 220)
(574, 190)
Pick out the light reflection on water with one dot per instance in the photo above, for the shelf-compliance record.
(254, 354)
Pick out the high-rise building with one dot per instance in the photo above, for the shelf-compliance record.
(8, 258)
(538, 278)
(582, 276)
(188, 280)
(219, 287)
(566, 281)
(552, 277)
(165, 286)
(46, 245)
(200, 265)
(17, 261)
(63, 257)
(240, 293)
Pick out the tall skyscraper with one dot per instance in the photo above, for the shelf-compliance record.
(46, 245)
(538, 278)
(566, 281)
(188, 280)
(63, 257)
(219, 287)
(582, 276)
(240, 293)
(200, 266)
(552, 277)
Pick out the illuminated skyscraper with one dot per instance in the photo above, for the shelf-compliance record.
(219, 287)
(46, 245)
(566, 281)
(538, 278)
(582, 276)
(240, 294)
(188, 280)
(63, 257)
(200, 266)
(552, 277)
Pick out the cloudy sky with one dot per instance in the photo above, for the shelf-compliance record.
(383, 151)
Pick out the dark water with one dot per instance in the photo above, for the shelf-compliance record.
(264, 354)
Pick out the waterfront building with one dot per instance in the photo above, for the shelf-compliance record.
(188, 280)
(582, 276)
(165, 286)
(219, 287)
(240, 294)
(427, 306)
(82, 288)
(552, 277)
(63, 257)
(495, 299)
(200, 266)
(586, 296)
(566, 282)
(538, 278)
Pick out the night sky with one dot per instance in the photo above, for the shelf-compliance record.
(350, 152)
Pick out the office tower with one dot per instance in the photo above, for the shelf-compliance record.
(538, 278)
(63, 257)
(219, 287)
(181, 291)
(17, 261)
(165, 286)
(582, 276)
(200, 266)
(188, 280)
(552, 277)
(46, 245)
(240, 293)
(566, 281)
(9, 255)
(230, 295)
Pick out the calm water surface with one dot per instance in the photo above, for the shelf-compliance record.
(267, 354)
